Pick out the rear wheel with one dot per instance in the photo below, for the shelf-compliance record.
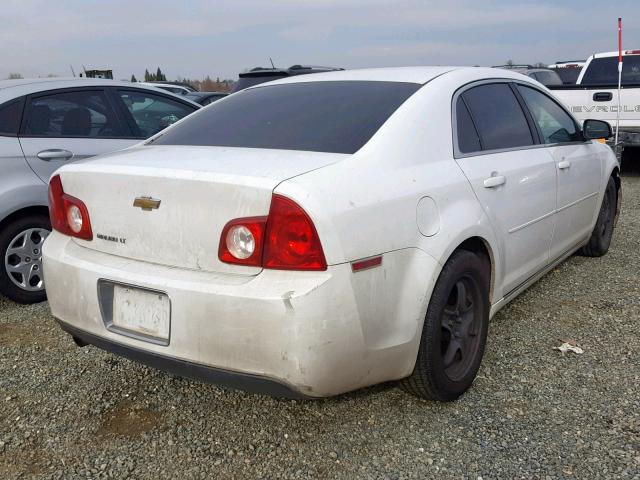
(21, 277)
(455, 330)
(603, 231)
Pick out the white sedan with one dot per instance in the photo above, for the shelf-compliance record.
(323, 233)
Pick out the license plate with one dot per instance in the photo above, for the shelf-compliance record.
(141, 312)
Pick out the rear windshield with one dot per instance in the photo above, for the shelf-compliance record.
(250, 81)
(569, 75)
(604, 71)
(335, 117)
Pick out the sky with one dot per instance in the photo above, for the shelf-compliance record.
(194, 38)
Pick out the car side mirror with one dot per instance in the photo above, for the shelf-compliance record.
(595, 129)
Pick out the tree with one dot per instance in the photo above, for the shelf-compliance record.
(509, 63)
(14, 76)
(134, 79)
(160, 76)
(147, 76)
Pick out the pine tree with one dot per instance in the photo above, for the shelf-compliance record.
(147, 76)
(134, 79)
(160, 76)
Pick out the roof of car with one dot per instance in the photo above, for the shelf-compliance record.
(614, 53)
(206, 94)
(419, 75)
(283, 72)
(24, 86)
(393, 74)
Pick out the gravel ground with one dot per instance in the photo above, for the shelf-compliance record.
(67, 412)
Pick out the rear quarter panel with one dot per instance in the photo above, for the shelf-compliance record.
(367, 204)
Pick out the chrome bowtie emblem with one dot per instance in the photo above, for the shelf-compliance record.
(146, 203)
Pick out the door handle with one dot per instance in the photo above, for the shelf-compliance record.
(564, 164)
(494, 181)
(54, 154)
(602, 97)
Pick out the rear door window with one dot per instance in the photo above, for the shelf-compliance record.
(10, 117)
(497, 115)
(152, 112)
(468, 139)
(83, 113)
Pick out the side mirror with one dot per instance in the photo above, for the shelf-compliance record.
(595, 129)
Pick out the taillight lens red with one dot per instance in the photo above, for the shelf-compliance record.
(285, 240)
(68, 214)
(291, 240)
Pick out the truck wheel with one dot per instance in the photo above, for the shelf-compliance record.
(603, 231)
(455, 330)
(21, 277)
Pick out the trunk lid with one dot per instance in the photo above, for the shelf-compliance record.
(200, 189)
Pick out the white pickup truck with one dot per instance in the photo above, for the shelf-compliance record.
(595, 94)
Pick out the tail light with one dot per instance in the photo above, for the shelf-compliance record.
(68, 214)
(285, 240)
(242, 241)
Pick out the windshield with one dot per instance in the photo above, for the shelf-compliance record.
(604, 71)
(335, 117)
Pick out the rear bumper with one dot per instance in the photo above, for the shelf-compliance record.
(226, 378)
(315, 334)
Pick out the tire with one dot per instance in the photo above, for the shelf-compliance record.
(21, 241)
(603, 231)
(455, 330)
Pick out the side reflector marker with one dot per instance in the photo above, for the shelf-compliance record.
(365, 264)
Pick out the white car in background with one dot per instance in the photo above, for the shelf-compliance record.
(173, 87)
(319, 234)
(49, 122)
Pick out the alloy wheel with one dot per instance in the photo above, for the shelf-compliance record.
(23, 259)
(460, 340)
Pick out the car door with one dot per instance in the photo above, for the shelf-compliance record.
(578, 169)
(147, 112)
(514, 180)
(62, 126)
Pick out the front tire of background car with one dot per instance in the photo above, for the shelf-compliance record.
(21, 244)
(455, 330)
(603, 231)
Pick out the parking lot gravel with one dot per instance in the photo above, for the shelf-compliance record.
(69, 412)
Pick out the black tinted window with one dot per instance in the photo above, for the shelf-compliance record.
(246, 82)
(72, 114)
(10, 118)
(498, 117)
(338, 117)
(604, 71)
(554, 123)
(468, 140)
(569, 75)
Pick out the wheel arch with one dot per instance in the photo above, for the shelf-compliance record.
(615, 173)
(23, 212)
(481, 246)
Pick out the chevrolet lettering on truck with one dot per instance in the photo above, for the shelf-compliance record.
(595, 94)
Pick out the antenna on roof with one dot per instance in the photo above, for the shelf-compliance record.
(72, 72)
(272, 65)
